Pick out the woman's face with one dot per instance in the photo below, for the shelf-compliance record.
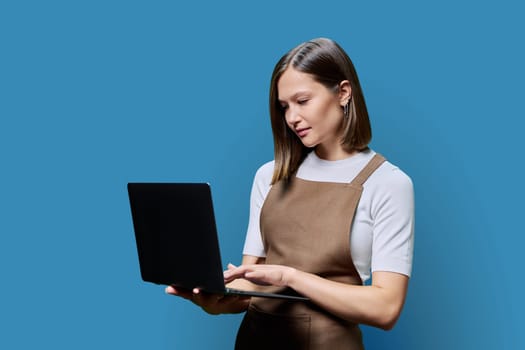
(313, 112)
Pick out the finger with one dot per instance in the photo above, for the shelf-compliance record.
(196, 297)
(206, 300)
(259, 278)
(178, 292)
(235, 272)
(203, 298)
(255, 276)
(230, 274)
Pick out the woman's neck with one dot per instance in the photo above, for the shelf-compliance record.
(332, 153)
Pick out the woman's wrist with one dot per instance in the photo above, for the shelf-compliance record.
(290, 277)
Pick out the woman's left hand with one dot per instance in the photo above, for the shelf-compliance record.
(213, 304)
(261, 274)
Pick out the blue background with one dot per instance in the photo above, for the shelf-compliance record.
(94, 94)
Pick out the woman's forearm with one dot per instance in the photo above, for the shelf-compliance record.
(377, 305)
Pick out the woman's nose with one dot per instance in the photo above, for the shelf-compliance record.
(292, 115)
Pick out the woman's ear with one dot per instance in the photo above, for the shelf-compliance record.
(345, 92)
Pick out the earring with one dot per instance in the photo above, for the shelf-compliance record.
(346, 110)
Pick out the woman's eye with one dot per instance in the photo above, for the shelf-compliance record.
(302, 102)
(284, 107)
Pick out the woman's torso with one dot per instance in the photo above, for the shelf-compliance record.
(374, 231)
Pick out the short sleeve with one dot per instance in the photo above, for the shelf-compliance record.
(253, 244)
(393, 229)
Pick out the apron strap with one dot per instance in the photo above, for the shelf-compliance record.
(372, 165)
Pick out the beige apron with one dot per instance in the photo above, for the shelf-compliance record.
(306, 225)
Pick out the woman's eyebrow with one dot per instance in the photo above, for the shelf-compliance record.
(295, 95)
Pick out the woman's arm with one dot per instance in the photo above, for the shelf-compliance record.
(377, 305)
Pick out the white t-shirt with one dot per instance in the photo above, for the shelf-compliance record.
(382, 233)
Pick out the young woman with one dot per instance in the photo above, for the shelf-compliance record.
(326, 215)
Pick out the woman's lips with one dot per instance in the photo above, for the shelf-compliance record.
(302, 132)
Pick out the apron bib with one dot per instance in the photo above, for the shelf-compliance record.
(306, 225)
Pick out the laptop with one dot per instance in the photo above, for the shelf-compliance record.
(176, 237)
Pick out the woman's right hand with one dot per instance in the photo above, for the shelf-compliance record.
(213, 304)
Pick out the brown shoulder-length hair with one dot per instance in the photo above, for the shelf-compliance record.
(329, 65)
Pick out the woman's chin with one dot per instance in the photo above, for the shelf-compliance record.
(309, 144)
